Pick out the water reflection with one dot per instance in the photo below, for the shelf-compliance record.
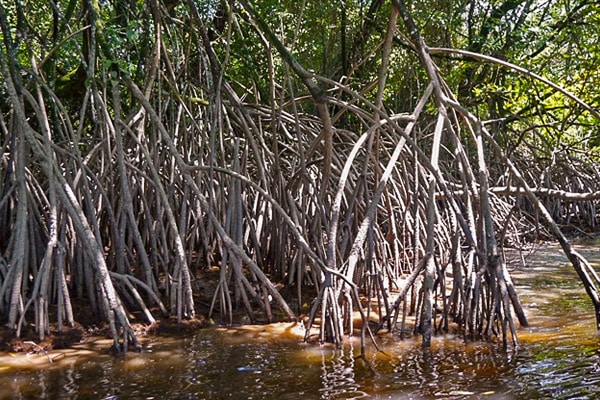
(211, 366)
(560, 373)
(337, 375)
(451, 369)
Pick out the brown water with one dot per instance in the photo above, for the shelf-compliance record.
(559, 358)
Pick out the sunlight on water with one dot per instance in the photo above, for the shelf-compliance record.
(212, 365)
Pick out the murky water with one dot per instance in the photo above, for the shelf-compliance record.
(559, 358)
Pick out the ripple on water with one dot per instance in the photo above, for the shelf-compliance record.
(565, 372)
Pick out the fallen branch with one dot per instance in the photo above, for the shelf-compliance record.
(517, 190)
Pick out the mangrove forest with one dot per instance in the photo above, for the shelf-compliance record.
(360, 167)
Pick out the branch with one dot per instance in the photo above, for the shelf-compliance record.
(524, 71)
(554, 193)
(303, 74)
(316, 92)
(517, 190)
